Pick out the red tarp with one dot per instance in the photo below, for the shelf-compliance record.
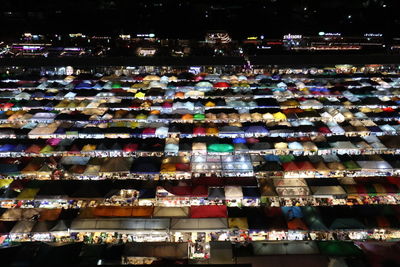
(210, 211)
(181, 190)
(305, 166)
(361, 189)
(296, 224)
(142, 211)
(383, 222)
(200, 191)
(242, 181)
(273, 212)
(49, 214)
(221, 85)
(211, 181)
(393, 180)
(290, 166)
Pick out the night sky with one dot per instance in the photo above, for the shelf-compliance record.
(192, 19)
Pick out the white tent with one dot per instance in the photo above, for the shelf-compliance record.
(233, 192)
(374, 165)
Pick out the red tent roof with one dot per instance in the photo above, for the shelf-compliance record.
(290, 166)
(296, 224)
(221, 85)
(305, 166)
(182, 190)
(209, 211)
(200, 191)
(215, 181)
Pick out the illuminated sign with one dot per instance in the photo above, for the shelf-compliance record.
(373, 35)
(150, 35)
(74, 35)
(72, 49)
(329, 34)
(28, 47)
(145, 52)
(252, 38)
(292, 36)
(222, 37)
(125, 36)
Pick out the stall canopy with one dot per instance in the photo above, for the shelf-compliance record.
(208, 211)
(251, 192)
(17, 214)
(157, 249)
(23, 227)
(96, 225)
(221, 253)
(233, 192)
(61, 226)
(332, 190)
(240, 223)
(42, 227)
(216, 193)
(171, 212)
(338, 248)
(140, 211)
(313, 218)
(284, 248)
(199, 224)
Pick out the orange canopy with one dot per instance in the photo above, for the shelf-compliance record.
(123, 211)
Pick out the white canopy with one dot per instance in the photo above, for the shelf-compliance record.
(374, 165)
(233, 192)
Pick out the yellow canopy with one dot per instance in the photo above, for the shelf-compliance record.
(28, 194)
(240, 223)
(5, 182)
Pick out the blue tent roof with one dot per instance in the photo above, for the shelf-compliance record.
(239, 140)
(7, 148)
(293, 212)
(251, 192)
(8, 168)
(147, 193)
(272, 158)
(83, 85)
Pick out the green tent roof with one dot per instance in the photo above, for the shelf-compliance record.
(220, 148)
(338, 248)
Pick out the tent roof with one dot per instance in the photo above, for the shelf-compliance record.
(233, 192)
(284, 248)
(208, 211)
(199, 224)
(157, 249)
(171, 212)
(23, 227)
(119, 224)
(327, 190)
(216, 192)
(338, 248)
